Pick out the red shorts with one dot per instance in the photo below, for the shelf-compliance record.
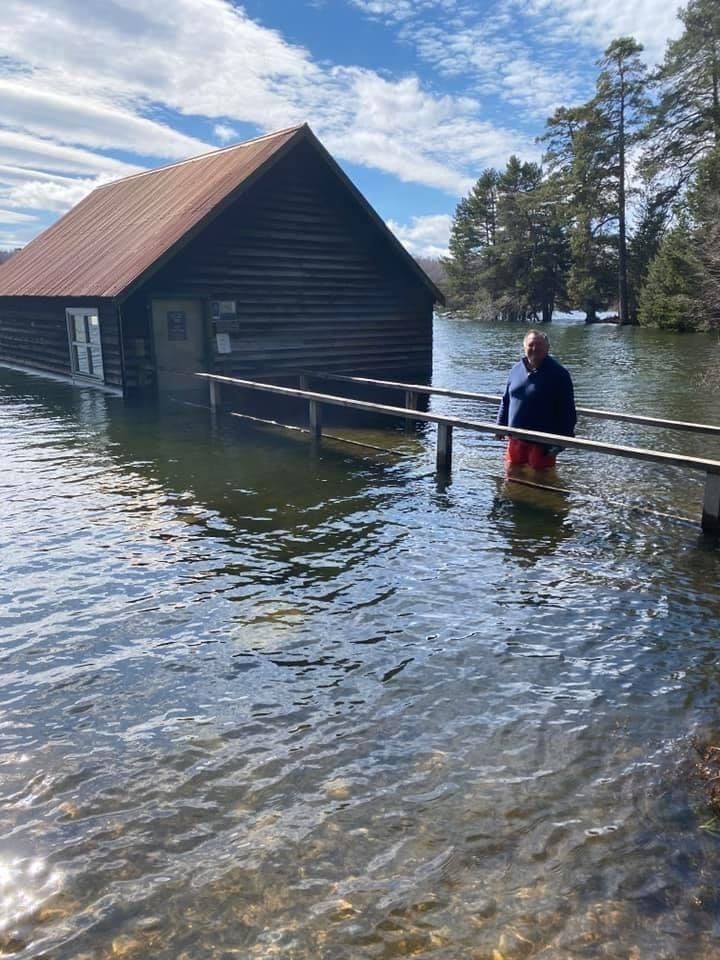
(520, 451)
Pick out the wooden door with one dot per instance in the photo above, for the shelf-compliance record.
(179, 338)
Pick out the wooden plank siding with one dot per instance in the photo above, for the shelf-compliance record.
(315, 283)
(33, 333)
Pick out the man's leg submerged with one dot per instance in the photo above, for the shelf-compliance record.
(538, 459)
(520, 452)
(517, 451)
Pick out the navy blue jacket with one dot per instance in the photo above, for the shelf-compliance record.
(541, 399)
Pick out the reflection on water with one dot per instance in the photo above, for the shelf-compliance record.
(533, 512)
(261, 700)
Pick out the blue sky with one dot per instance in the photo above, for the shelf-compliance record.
(413, 97)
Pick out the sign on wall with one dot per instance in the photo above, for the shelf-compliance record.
(177, 325)
(221, 309)
(223, 342)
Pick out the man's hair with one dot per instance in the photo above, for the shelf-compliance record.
(537, 333)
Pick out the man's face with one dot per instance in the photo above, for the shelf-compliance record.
(536, 349)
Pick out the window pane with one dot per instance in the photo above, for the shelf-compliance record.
(82, 358)
(86, 357)
(78, 328)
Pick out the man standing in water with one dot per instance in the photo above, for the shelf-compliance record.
(538, 396)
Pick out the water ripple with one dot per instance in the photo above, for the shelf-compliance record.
(257, 702)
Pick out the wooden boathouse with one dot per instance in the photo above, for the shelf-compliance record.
(257, 260)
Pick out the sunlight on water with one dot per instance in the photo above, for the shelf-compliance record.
(24, 886)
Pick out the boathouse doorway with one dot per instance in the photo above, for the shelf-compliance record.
(179, 339)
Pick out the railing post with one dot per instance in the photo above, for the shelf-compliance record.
(315, 419)
(711, 503)
(214, 397)
(314, 409)
(444, 448)
(411, 403)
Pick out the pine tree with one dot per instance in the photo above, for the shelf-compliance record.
(704, 207)
(682, 291)
(462, 261)
(671, 298)
(652, 219)
(580, 188)
(685, 123)
(506, 274)
(529, 262)
(472, 233)
(622, 108)
(587, 154)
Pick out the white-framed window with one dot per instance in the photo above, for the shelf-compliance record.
(86, 360)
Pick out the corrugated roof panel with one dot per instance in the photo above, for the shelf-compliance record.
(101, 246)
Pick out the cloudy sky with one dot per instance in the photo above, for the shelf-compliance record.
(413, 97)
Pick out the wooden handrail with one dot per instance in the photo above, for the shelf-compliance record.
(535, 436)
(710, 518)
(708, 428)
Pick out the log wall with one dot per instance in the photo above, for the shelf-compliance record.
(33, 333)
(316, 285)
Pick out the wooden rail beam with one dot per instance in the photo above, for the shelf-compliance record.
(709, 428)
(481, 426)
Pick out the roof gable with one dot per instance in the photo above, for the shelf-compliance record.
(123, 231)
(375, 218)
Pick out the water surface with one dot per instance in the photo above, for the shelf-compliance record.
(260, 700)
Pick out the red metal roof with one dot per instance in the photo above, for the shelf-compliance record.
(106, 242)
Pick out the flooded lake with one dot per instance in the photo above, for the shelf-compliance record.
(259, 700)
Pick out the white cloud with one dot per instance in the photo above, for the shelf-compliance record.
(397, 127)
(597, 22)
(532, 54)
(144, 59)
(401, 9)
(39, 174)
(10, 240)
(498, 65)
(225, 133)
(29, 179)
(40, 194)
(12, 216)
(23, 150)
(12, 174)
(424, 236)
(81, 118)
(28, 188)
(382, 9)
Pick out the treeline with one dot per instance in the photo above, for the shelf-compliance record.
(435, 269)
(623, 214)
